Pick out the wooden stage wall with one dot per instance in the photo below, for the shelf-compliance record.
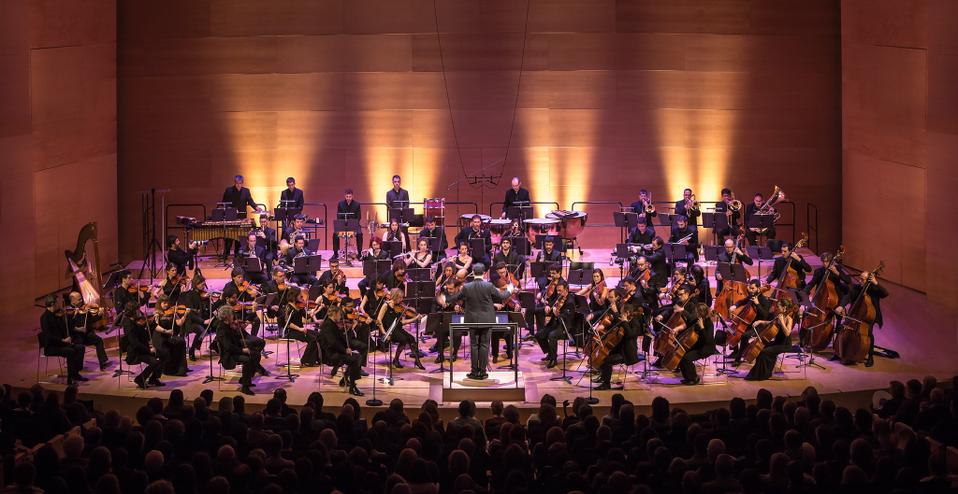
(899, 73)
(613, 96)
(57, 139)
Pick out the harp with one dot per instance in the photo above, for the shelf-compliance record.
(84, 265)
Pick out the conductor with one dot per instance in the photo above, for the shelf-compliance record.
(479, 297)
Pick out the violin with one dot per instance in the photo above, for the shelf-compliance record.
(405, 310)
(358, 316)
(178, 310)
(557, 307)
(246, 287)
(243, 306)
(139, 288)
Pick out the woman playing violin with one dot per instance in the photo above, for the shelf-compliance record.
(328, 298)
(598, 295)
(245, 295)
(167, 326)
(392, 318)
(293, 318)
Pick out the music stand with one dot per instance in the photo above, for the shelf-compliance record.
(222, 213)
(433, 243)
(307, 264)
(712, 252)
(520, 244)
(539, 268)
(625, 219)
(252, 265)
(580, 277)
(520, 210)
(679, 252)
(761, 253)
(665, 219)
(372, 268)
(477, 245)
(312, 244)
(763, 222)
(402, 214)
(418, 274)
(393, 247)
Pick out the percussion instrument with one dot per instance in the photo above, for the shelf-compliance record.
(209, 230)
(497, 227)
(434, 208)
(466, 218)
(571, 222)
(541, 226)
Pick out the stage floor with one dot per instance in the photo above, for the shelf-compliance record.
(924, 334)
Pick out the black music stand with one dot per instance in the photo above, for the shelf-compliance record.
(433, 243)
(418, 274)
(520, 244)
(678, 252)
(763, 222)
(252, 265)
(393, 247)
(732, 272)
(312, 244)
(761, 253)
(539, 268)
(625, 219)
(665, 219)
(520, 210)
(580, 277)
(477, 245)
(373, 268)
(307, 264)
(403, 214)
(224, 213)
(708, 221)
(712, 252)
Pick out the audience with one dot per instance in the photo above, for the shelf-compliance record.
(806, 444)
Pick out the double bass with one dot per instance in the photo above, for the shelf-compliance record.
(788, 279)
(820, 317)
(732, 291)
(852, 341)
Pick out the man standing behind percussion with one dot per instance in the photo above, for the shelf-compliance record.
(397, 197)
(348, 209)
(291, 197)
(516, 196)
(480, 297)
(237, 197)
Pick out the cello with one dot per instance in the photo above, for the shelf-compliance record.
(675, 339)
(852, 340)
(782, 322)
(819, 319)
(740, 319)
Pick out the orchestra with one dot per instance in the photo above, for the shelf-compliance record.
(661, 297)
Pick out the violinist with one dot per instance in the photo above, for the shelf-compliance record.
(731, 254)
(374, 252)
(763, 307)
(199, 318)
(474, 231)
(140, 351)
(433, 231)
(507, 255)
(167, 326)
(335, 340)
(357, 331)
(545, 296)
(127, 296)
(627, 350)
(558, 312)
(392, 318)
(642, 234)
(699, 284)
(235, 348)
(55, 339)
(396, 278)
(178, 257)
(327, 299)
(277, 285)
(374, 299)
(704, 346)
(251, 249)
(173, 285)
(447, 272)
(337, 276)
(246, 295)
(440, 322)
(83, 321)
(294, 320)
(462, 261)
(597, 293)
(782, 263)
(503, 279)
(784, 321)
(875, 292)
(683, 234)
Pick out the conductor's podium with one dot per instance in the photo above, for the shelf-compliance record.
(505, 385)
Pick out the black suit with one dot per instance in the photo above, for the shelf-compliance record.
(53, 330)
(693, 216)
(348, 211)
(231, 341)
(138, 350)
(181, 259)
(692, 246)
(876, 292)
(639, 237)
(479, 297)
(551, 332)
(800, 266)
(639, 208)
(337, 351)
(395, 200)
(733, 227)
(296, 196)
(266, 261)
(512, 197)
(660, 267)
(627, 351)
(238, 199)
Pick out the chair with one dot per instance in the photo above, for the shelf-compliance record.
(61, 361)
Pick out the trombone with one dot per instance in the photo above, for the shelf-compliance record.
(649, 207)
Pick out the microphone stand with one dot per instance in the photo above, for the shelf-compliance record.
(210, 378)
